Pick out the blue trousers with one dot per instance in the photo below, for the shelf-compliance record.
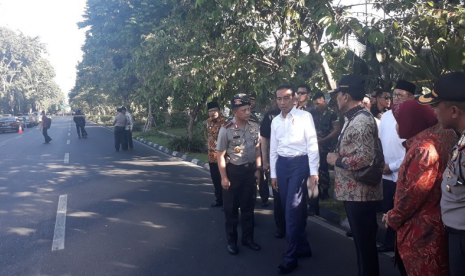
(292, 174)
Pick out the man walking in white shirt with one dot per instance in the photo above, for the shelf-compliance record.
(294, 160)
(394, 153)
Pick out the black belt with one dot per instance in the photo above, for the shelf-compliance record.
(455, 231)
(246, 165)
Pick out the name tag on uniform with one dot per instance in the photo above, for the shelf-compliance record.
(235, 137)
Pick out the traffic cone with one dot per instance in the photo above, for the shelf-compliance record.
(20, 129)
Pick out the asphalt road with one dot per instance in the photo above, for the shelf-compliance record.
(138, 212)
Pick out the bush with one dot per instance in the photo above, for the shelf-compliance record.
(185, 145)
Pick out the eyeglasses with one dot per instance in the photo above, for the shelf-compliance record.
(302, 93)
(385, 97)
(396, 95)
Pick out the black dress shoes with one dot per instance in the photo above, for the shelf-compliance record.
(384, 248)
(265, 204)
(251, 244)
(232, 249)
(349, 234)
(279, 234)
(287, 267)
(216, 204)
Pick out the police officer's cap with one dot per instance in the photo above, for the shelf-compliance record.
(238, 101)
(449, 87)
(352, 85)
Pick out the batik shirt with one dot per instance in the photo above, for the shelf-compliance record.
(357, 151)
(213, 128)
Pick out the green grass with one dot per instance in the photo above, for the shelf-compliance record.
(163, 140)
(180, 131)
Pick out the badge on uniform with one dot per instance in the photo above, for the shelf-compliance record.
(237, 149)
(448, 188)
(448, 175)
(235, 126)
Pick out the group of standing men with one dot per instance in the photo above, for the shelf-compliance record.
(290, 152)
(123, 124)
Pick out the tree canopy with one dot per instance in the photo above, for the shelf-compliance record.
(179, 54)
(26, 77)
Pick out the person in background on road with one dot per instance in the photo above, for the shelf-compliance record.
(120, 123)
(238, 142)
(416, 216)
(213, 126)
(80, 120)
(294, 163)
(265, 135)
(394, 153)
(263, 188)
(328, 128)
(24, 122)
(128, 129)
(383, 103)
(45, 126)
(448, 101)
(355, 151)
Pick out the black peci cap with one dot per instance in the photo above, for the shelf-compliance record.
(238, 101)
(353, 85)
(211, 105)
(449, 87)
(406, 85)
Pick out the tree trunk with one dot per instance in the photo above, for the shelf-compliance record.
(192, 117)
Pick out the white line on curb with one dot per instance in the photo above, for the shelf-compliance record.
(66, 158)
(60, 224)
(67, 142)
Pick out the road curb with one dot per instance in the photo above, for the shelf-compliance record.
(164, 149)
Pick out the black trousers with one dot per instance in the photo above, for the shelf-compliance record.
(389, 191)
(362, 220)
(129, 139)
(456, 253)
(263, 188)
(120, 138)
(216, 179)
(81, 131)
(324, 183)
(240, 193)
(44, 132)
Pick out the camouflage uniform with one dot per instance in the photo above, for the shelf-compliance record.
(324, 126)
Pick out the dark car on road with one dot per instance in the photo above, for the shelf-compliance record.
(8, 124)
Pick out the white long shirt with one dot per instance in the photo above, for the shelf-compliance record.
(130, 123)
(393, 150)
(294, 136)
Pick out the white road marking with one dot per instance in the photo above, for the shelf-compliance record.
(60, 224)
(66, 158)
(67, 142)
(69, 134)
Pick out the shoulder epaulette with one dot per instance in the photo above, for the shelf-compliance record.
(227, 124)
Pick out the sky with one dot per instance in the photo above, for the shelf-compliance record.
(55, 23)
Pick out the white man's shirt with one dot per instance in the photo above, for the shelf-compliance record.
(294, 136)
(393, 150)
(130, 123)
